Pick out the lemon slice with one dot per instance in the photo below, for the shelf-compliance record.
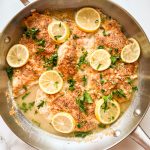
(17, 56)
(109, 114)
(58, 31)
(50, 82)
(100, 60)
(63, 122)
(131, 52)
(88, 19)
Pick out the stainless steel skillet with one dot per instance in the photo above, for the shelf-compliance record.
(127, 124)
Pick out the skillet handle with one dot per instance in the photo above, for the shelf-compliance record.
(140, 137)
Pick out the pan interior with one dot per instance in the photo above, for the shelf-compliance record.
(43, 140)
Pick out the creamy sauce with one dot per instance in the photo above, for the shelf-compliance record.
(42, 120)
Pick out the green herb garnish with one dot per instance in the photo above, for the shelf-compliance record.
(129, 81)
(40, 50)
(30, 105)
(57, 37)
(24, 107)
(84, 79)
(116, 50)
(75, 37)
(81, 124)
(102, 125)
(98, 66)
(56, 84)
(114, 59)
(51, 62)
(60, 24)
(36, 123)
(71, 82)
(41, 42)
(82, 134)
(41, 104)
(102, 90)
(23, 97)
(135, 88)
(106, 99)
(82, 59)
(120, 93)
(96, 21)
(56, 46)
(80, 102)
(100, 47)
(105, 33)
(87, 97)
(9, 71)
(31, 33)
(102, 81)
(25, 87)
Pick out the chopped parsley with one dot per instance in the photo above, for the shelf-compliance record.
(81, 124)
(25, 87)
(135, 88)
(75, 36)
(71, 82)
(82, 134)
(105, 33)
(102, 81)
(23, 97)
(60, 24)
(40, 50)
(120, 93)
(80, 103)
(116, 50)
(106, 99)
(24, 107)
(82, 59)
(96, 21)
(114, 59)
(31, 33)
(100, 47)
(56, 46)
(30, 105)
(41, 104)
(56, 84)
(102, 90)
(36, 122)
(98, 66)
(102, 125)
(129, 81)
(9, 71)
(57, 37)
(51, 62)
(86, 97)
(41, 42)
(84, 79)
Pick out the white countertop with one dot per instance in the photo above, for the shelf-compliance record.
(140, 9)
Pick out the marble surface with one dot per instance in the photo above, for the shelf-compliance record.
(140, 9)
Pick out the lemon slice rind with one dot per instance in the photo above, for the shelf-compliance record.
(58, 122)
(17, 56)
(63, 37)
(88, 19)
(100, 60)
(50, 82)
(98, 111)
(131, 52)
